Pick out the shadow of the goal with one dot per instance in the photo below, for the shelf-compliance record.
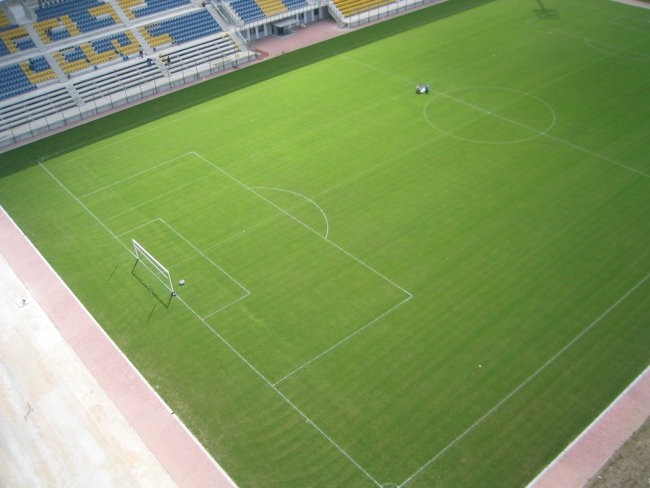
(157, 288)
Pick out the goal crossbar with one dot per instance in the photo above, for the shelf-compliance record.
(163, 274)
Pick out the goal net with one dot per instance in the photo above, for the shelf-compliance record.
(153, 265)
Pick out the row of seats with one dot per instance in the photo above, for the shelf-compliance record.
(14, 81)
(151, 7)
(38, 70)
(294, 4)
(35, 106)
(97, 52)
(182, 29)
(248, 10)
(14, 39)
(353, 7)
(28, 74)
(272, 7)
(5, 21)
(86, 15)
(251, 10)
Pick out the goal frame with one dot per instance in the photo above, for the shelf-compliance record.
(160, 272)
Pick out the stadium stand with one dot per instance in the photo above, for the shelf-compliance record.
(208, 51)
(141, 8)
(14, 39)
(118, 80)
(37, 107)
(183, 28)
(59, 19)
(14, 81)
(247, 10)
(96, 52)
(5, 21)
(38, 70)
(295, 4)
(72, 59)
(272, 7)
(57, 66)
(353, 7)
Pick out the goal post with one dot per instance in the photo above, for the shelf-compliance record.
(152, 264)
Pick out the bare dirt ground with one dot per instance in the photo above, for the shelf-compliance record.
(599, 442)
(630, 466)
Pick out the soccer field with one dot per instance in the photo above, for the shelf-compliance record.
(381, 288)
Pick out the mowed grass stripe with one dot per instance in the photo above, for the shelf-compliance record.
(508, 249)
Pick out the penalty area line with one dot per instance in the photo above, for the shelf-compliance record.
(536, 373)
(344, 340)
(286, 399)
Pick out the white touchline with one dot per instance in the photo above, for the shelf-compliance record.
(526, 381)
(282, 395)
(222, 339)
(199, 252)
(76, 199)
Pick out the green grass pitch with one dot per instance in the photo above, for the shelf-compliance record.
(383, 289)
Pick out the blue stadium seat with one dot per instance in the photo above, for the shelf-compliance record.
(78, 11)
(154, 6)
(14, 81)
(186, 27)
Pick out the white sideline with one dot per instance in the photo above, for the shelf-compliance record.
(550, 361)
(612, 447)
(220, 337)
(113, 345)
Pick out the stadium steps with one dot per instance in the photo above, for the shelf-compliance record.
(122, 13)
(35, 37)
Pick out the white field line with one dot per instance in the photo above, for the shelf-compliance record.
(285, 212)
(130, 177)
(514, 122)
(229, 304)
(526, 381)
(76, 199)
(634, 3)
(588, 40)
(222, 339)
(101, 329)
(158, 197)
(172, 266)
(345, 339)
(293, 406)
(200, 253)
(322, 193)
(300, 195)
(280, 209)
(542, 133)
(149, 222)
(97, 219)
(617, 23)
(588, 429)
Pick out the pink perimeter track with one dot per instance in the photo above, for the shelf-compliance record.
(584, 457)
(177, 450)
